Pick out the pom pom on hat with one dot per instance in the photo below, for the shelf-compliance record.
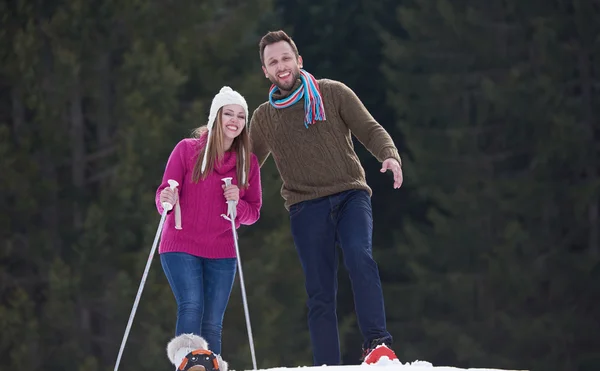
(225, 96)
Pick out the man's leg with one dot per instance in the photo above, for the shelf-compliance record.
(355, 231)
(314, 238)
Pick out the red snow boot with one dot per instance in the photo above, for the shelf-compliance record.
(374, 354)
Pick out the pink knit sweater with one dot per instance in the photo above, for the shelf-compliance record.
(205, 232)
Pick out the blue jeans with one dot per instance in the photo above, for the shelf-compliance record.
(202, 288)
(317, 226)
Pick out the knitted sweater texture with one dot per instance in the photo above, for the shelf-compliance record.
(205, 232)
(319, 160)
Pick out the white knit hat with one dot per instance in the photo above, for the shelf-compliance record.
(225, 96)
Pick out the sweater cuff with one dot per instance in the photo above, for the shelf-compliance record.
(390, 152)
(241, 210)
(246, 212)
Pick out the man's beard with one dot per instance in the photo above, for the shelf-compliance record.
(290, 85)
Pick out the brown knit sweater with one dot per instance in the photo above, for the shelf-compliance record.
(319, 160)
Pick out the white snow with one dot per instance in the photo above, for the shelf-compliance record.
(384, 364)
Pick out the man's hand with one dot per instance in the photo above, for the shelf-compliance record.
(393, 165)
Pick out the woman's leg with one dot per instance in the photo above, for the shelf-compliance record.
(219, 275)
(185, 275)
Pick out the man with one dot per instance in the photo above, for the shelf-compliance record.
(307, 125)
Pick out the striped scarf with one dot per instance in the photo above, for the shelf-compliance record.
(313, 103)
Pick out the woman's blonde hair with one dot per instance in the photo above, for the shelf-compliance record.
(241, 146)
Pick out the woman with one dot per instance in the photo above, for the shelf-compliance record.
(197, 250)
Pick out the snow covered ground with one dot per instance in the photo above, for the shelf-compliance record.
(385, 365)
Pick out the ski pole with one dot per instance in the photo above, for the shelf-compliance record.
(231, 210)
(166, 208)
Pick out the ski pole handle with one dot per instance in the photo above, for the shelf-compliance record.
(173, 185)
(230, 204)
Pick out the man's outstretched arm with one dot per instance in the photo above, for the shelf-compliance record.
(368, 131)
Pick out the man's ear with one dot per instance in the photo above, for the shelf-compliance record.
(300, 61)
(265, 71)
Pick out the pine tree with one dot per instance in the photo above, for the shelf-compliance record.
(97, 96)
(490, 113)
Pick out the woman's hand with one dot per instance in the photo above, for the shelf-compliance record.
(169, 195)
(231, 193)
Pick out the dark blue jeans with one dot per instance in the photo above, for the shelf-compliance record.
(317, 226)
(202, 288)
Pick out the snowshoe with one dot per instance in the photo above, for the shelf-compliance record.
(199, 360)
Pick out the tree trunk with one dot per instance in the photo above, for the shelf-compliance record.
(103, 101)
(18, 113)
(77, 151)
(590, 126)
